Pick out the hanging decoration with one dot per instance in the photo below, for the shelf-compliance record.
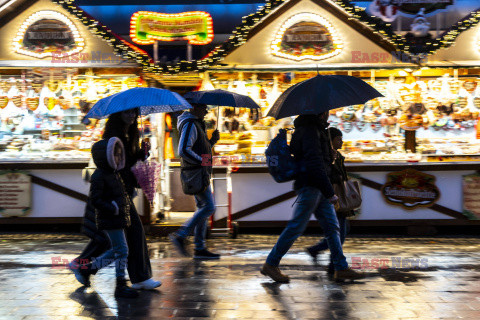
(383, 9)
(306, 36)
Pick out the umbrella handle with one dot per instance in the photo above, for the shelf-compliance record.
(218, 117)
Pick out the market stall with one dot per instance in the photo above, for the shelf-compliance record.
(415, 150)
(53, 67)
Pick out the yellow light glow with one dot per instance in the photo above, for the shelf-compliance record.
(47, 14)
(306, 17)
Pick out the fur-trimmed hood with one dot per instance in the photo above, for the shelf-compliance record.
(103, 154)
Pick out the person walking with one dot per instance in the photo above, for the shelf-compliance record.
(195, 150)
(124, 126)
(310, 148)
(112, 206)
(337, 176)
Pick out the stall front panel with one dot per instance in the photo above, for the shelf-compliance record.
(390, 192)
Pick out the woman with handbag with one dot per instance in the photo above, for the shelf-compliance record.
(338, 178)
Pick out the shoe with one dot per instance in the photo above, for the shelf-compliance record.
(312, 253)
(179, 244)
(123, 291)
(330, 269)
(82, 275)
(148, 284)
(205, 254)
(348, 274)
(274, 273)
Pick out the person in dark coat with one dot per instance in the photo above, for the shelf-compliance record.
(195, 150)
(310, 147)
(112, 213)
(338, 175)
(124, 125)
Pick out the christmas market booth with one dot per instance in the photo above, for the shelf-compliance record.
(55, 63)
(415, 151)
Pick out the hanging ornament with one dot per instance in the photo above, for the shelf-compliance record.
(3, 101)
(384, 9)
(420, 25)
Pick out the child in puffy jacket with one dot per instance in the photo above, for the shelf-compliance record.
(112, 209)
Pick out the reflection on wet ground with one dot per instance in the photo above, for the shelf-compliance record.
(407, 278)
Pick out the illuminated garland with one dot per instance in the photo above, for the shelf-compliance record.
(121, 47)
(239, 36)
(385, 29)
(448, 37)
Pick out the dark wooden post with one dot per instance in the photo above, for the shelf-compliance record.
(410, 141)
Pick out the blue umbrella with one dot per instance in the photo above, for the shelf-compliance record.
(322, 93)
(222, 98)
(148, 100)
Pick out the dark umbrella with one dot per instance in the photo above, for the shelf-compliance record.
(322, 93)
(222, 98)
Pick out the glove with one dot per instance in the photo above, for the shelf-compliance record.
(117, 209)
(333, 199)
(215, 136)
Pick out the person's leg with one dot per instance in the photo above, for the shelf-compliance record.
(319, 246)
(93, 249)
(120, 250)
(307, 201)
(327, 217)
(343, 223)
(139, 268)
(206, 202)
(205, 208)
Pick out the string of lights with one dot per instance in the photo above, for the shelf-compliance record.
(240, 34)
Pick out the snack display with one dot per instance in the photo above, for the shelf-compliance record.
(442, 110)
(41, 113)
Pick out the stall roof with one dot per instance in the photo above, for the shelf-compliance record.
(130, 54)
(357, 18)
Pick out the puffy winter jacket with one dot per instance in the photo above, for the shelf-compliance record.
(107, 187)
(194, 148)
(310, 146)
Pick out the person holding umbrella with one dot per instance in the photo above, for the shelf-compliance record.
(311, 100)
(195, 150)
(123, 110)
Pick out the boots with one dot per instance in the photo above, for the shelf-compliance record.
(123, 291)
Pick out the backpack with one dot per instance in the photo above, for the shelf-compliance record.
(281, 164)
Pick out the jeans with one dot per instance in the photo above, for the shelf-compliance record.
(310, 200)
(118, 253)
(323, 244)
(205, 208)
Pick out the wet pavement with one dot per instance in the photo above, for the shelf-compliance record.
(407, 278)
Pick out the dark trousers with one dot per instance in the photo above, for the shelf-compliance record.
(139, 268)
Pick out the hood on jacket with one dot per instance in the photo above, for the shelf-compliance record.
(103, 154)
(310, 120)
(186, 115)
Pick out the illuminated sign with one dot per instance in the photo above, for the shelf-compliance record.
(46, 32)
(306, 36)
(410, 188)
(195, 26)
